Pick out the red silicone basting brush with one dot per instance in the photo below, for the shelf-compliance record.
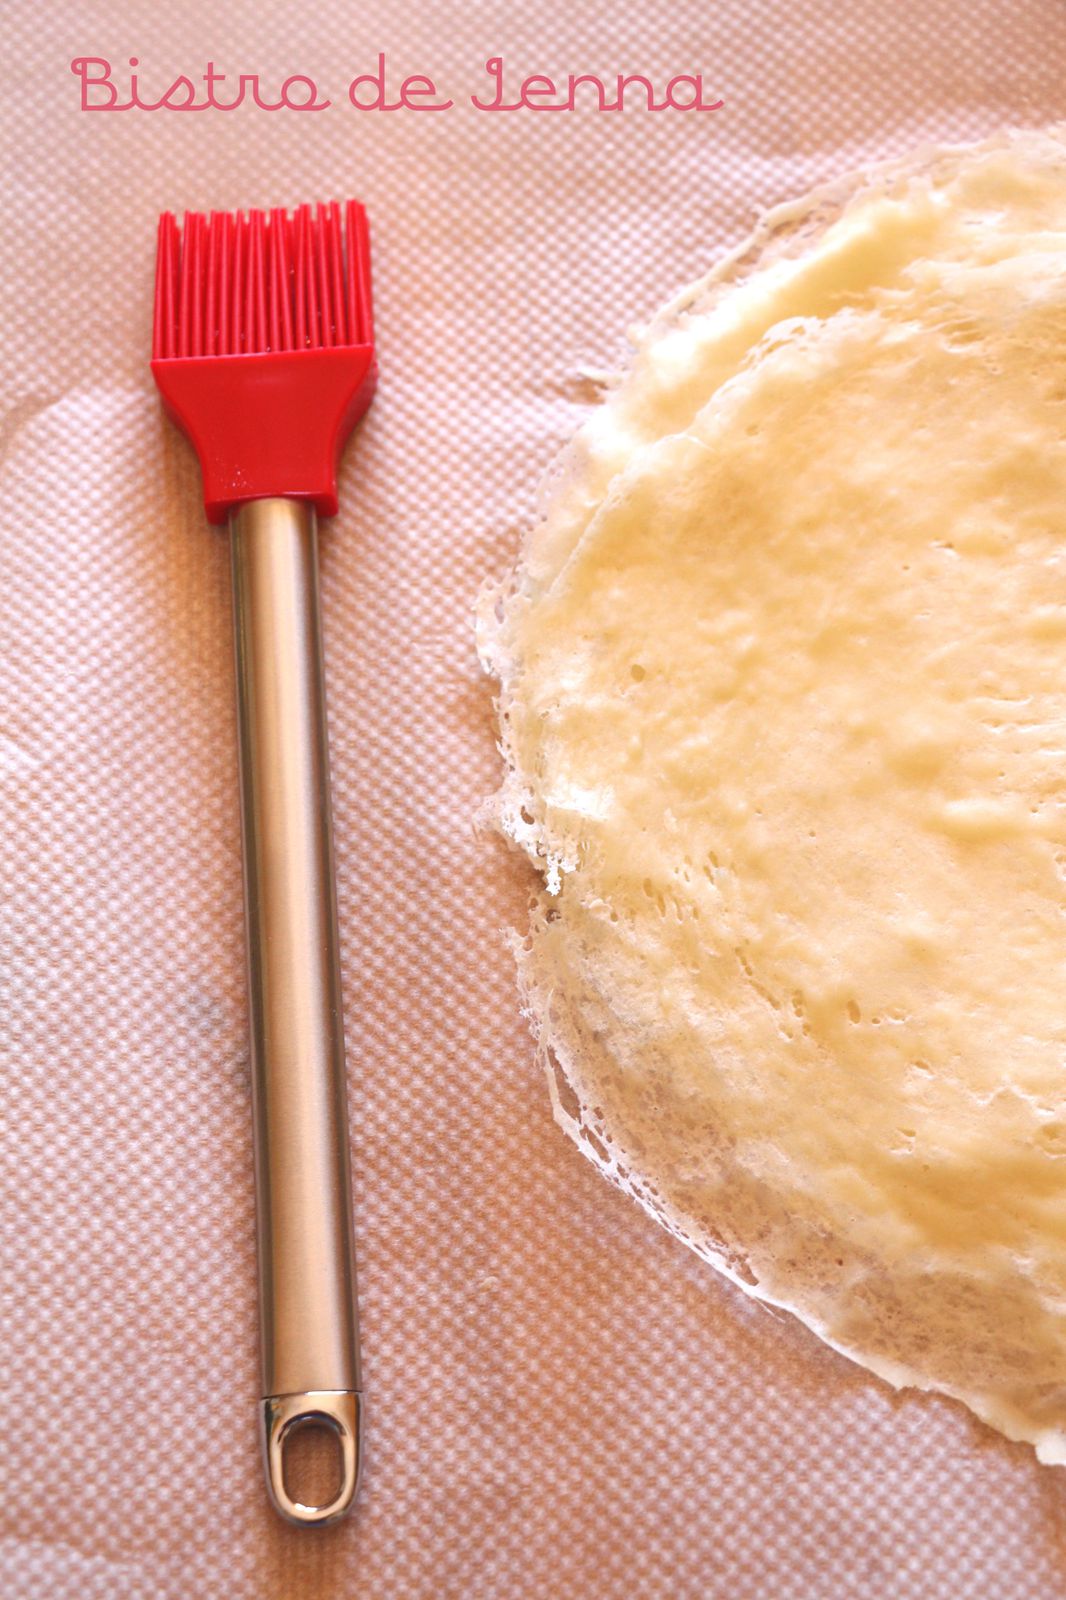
(263, 352)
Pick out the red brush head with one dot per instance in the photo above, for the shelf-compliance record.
(263, 347)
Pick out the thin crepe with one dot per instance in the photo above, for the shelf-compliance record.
(784, 715)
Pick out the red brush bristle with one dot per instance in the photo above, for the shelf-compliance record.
(321, 265)
(334, 254)
(280, 297)
(255, 283)
(166, 261)
(360, 308)
(309, 277)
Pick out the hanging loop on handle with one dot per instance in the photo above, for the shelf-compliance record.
(339, 1410)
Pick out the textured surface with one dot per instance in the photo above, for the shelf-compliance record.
(563, 1400)
(782, 719)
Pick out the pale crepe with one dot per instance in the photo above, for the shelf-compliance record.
(783, 703)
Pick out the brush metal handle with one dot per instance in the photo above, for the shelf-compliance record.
(308, 1321)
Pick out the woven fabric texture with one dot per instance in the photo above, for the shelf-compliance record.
(563, 1402)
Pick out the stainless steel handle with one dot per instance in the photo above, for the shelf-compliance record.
(308, 1322)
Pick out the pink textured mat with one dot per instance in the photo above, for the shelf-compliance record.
(563, 1401)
